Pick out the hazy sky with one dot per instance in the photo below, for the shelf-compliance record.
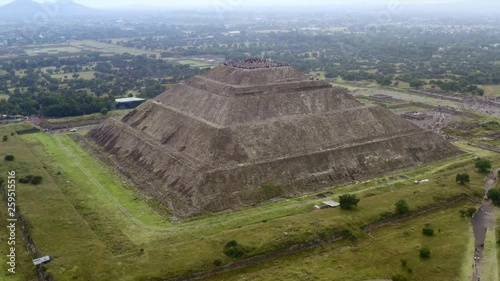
(236, 3)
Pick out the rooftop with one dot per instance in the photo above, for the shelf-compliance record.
(129, 100)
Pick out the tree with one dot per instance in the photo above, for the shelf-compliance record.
(36, 180)
(494, 196)
(402, 207)
(427, 231)
(471, 211)
(234, 250)
(104, 111)
(483, 165)
(463, 213)
(9, 157)
(416, 83)
(425, 253)
(348, 201)
(5, 138)
(462, 178)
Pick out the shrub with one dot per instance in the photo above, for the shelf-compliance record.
(348, 201)
(402, 207)
(36, 180)
(347, 234)
(494, 196)
(24, 180)
(427, 231)
(425, 253)
(404, 263)
(462, 178)
(385, 215)
(5, 138)
(217, 262)
(483, 165)
(234, 250)
(9, 157)
(463, 213)
(471, 211)
(104, 111)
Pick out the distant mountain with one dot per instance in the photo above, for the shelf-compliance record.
(20, 9)
(28, 9)
(68, 8)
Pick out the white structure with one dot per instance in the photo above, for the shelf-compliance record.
(41, 260)
(331, 203)
(422, 181)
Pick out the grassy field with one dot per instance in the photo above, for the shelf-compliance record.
(489, 270)
(410, 108)
(109, 231)
(467, 270)
(491, 90)
(195, 63)
(24, 265)
(377, 255)
(87, 75)
(497, 214)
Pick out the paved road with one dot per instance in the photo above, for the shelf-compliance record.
(481, 222)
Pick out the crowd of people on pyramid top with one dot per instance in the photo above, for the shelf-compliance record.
(255, 63)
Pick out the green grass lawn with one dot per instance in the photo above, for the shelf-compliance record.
(103, 224)
(489, 270)
(195, 63)
(87, 75)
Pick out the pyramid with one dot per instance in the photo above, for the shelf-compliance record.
(252, 130)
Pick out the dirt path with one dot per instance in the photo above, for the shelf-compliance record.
(481, 222)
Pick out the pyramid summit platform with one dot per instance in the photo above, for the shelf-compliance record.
(249, 131)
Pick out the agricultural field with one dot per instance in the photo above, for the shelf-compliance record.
(104, 224)
(101, 47)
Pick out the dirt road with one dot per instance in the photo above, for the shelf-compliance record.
(483, 220)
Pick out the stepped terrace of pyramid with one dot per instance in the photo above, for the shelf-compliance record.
(248, 131)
